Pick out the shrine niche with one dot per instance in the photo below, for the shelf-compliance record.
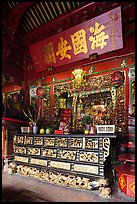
(99, 100)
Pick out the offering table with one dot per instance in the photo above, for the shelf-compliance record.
(69, 159)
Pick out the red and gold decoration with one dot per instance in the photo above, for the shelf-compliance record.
(40, 91)
(126, 184)
(65, 120)
(96, 92)
(122, 181)
(80, 158)
(79, 78)
(98, 35)
(117, 78)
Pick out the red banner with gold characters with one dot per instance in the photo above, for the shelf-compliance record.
(99, 35)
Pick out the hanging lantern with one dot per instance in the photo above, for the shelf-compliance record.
(40, 91)
(117, 78)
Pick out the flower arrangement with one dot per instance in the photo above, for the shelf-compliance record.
(33, 116)
(86, 118)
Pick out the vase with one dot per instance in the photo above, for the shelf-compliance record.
(35, 129)
(88, 126)
(92, 130)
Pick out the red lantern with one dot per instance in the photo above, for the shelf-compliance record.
(40, 91)
(117, 78)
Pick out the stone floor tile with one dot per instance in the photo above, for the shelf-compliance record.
(17, 188)
(23, 197)
(10, 192)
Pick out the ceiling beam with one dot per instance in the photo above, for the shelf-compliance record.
(14, 17)
(60, 18)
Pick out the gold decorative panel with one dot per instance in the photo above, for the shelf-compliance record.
(48, 152)
(28, 140)
(76, 142)
(56, 177)
(92, 143)
(46, 107)
(49, 141)
(21, 159)
(38, 140)
(19, 149)
(133, 97)
(62, 142)
(89, 157)
(27, 171)
(61, 88)
(86, 168)
(38, 161)
(18, 139)
(33, 151)
(67, 154)
(60, 165)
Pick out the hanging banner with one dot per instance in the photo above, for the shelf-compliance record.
(99, 35)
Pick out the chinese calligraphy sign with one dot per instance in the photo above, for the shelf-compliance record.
(100, 35)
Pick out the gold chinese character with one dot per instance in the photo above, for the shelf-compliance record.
(79, 42)
(49, 55)
(62, 49)
(99, 36)
(122, 181)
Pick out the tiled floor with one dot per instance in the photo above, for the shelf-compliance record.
(20, 188)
